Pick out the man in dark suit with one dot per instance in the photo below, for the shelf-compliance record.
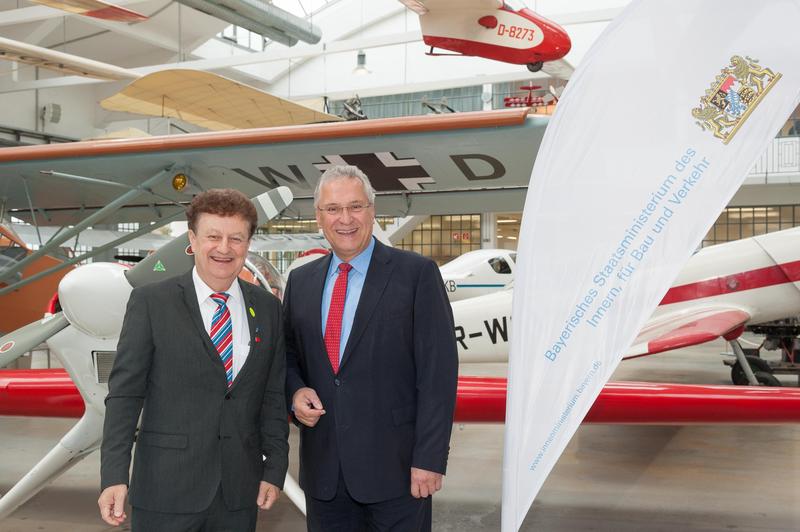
(371, 370)
(202, 357)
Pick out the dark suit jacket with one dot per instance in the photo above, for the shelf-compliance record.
(195, 432)
(391, 405)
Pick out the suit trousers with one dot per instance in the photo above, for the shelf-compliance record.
(216, 518)
(345, 514)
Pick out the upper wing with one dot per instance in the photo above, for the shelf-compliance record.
(210, 101)
(95, 8)
(449, 164)
(685, 329)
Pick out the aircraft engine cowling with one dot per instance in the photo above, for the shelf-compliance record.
(94, 297)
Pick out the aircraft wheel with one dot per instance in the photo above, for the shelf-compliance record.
(767, 379)
(757, 364)
(535, 67)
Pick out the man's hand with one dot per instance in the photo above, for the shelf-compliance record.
(307, 406)
(112, 504)
(267, 495)
(424, 483)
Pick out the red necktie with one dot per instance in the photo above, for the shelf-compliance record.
(333, 327)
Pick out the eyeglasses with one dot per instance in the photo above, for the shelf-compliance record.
(336, 210)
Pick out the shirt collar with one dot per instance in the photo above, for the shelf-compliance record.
(204, 291)
(360, 262)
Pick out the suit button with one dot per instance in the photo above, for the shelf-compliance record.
(337, 382)
(227, 396)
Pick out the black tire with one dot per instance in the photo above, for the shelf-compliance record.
(758, 365)
(535, 67)
(767, 379)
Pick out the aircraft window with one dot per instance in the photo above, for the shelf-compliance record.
(513, 257)
(500, 265)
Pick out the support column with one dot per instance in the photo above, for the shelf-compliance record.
(488, 230)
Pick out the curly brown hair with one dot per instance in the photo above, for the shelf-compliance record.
(222, 202)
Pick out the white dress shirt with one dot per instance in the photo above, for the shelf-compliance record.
(236, 306)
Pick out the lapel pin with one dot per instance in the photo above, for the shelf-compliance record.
(252, 312)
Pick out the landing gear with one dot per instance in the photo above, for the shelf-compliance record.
(535, 67)
(750, 369)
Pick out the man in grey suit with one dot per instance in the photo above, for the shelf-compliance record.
(201, 356)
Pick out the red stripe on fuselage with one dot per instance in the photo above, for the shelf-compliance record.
(738, 282)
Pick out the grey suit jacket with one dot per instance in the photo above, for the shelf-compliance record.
(196, 433)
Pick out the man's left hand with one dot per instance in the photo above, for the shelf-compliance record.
(267, 495)
(424, 483)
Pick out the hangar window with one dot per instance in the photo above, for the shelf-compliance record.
(445, 237)
(743, 222)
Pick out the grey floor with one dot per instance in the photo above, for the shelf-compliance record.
(610, 478)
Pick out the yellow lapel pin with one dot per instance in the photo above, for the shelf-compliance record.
(252, 312)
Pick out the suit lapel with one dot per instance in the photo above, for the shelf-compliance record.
(378, 274)
(317, 285)
(190, 299)
(253, 326)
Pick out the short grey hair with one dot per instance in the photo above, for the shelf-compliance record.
(344, 171)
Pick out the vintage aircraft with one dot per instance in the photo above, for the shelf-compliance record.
(478, 272)
(493, 29)
(721, 290)
(474, 164)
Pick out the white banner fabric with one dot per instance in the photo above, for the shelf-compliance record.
(656, 130)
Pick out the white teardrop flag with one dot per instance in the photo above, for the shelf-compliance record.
(657, 129)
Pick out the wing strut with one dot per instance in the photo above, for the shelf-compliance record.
(89, 221)
(95, 251)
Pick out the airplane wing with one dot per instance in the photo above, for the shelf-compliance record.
(12, 50)
(95, 9)
(450, 164)
(686, 329)
(210, 101)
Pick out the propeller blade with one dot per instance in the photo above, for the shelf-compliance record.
(174, 258)
(16, 343)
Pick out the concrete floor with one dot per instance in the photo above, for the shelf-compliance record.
(610, 478)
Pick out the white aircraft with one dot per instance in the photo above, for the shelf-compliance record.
(721, 290)
(478, 272)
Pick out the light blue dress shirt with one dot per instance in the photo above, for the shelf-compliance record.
(355, 282)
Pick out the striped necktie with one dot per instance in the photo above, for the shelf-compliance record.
(222, 332)
(333, 327)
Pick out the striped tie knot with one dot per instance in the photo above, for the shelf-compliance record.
(220, 298)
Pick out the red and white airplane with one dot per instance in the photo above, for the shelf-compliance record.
(721, 290)
(493, 29)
